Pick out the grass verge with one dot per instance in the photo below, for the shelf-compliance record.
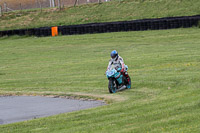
(105, 12)
(164, 67)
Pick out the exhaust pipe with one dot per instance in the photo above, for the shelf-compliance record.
(122, 88)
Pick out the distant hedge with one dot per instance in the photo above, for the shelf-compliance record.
(134, 25)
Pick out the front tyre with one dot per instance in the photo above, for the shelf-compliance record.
(112, 86)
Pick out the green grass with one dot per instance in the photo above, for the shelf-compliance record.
(105, 12)
(164, 67)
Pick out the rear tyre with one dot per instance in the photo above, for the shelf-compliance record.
(128, 86)
(112, 86)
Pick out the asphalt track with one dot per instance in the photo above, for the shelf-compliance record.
(21, 108)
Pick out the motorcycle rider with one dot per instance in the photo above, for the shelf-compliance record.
(118, 62)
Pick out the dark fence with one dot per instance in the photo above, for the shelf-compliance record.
(135, 25)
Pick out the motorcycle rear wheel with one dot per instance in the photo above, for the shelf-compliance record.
(128, 86)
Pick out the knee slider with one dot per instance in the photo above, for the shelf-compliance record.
(126, 73)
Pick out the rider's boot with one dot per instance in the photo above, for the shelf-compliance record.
(128, 80)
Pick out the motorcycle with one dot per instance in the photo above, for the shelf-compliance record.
(117, 81)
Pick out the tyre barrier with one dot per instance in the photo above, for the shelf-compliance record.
(91, 28)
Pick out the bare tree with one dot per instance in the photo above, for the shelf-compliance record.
(60, 4)
(36, 3)
(50, 1)
(75, 3)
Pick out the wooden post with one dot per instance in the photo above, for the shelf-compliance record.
(20, 5)
(1, 11)
(5, 6)
(40, 6)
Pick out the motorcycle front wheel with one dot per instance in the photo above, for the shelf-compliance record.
(112, 86)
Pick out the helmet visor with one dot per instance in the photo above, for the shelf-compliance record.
(113, 56)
